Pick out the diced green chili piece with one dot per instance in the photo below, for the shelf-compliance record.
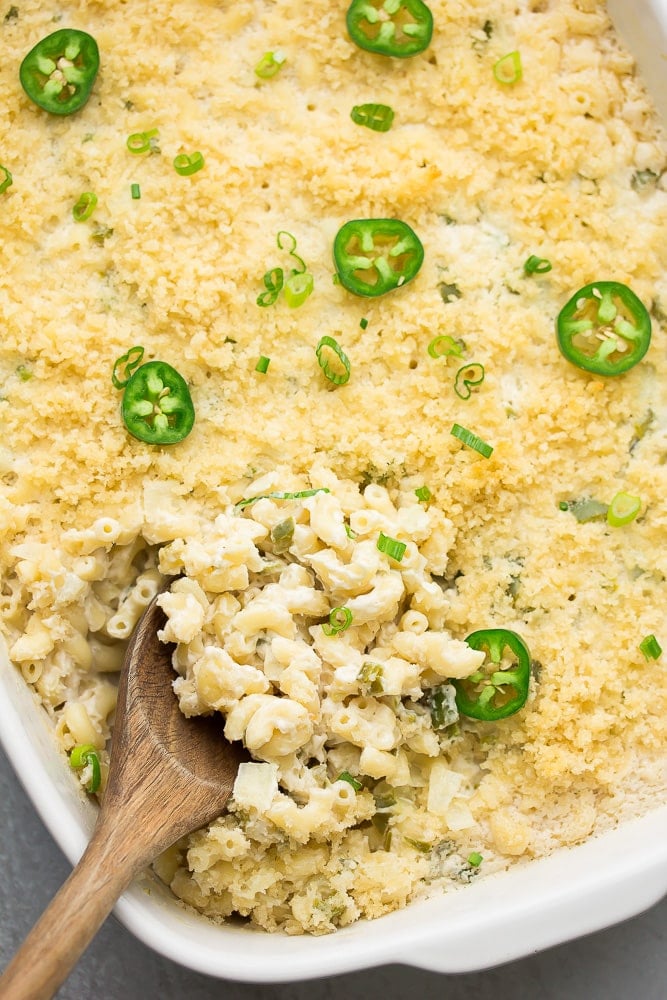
(495, 693)
(7, 179)
(398, 28)
(157, 406)
(374, 256)
(378, 117)
(59, 72)
(604, 328)
(650, 647)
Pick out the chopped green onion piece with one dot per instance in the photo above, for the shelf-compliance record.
(262, 365)
(126, 364)
(291, 247)
(299, 495)
(370, 675)
(563, 505)
(186, 164)
(475, 859)
(466, 377)
(84, 207)
(270, 64)
(423, 493)
(298, 288)
(623, 509)
(340, 619)
(444, 346)
(471, 440)
(349, 532)
(346, 776)
(363, 323)
(509, 68)
(391, 547)
(650, 647)
(135, 191)
(143, 142)
(378, 117)
(537, 265)
(273, 282)
(83, 755)
(7, 181)
(323, 351)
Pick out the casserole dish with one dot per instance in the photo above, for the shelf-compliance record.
(533, 906)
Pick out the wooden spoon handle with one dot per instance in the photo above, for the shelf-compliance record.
(70, 921)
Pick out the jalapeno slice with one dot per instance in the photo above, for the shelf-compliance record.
(373, 256)
(398, 28)
(157, 406)
(604, 328)
(59, 72)
(498, 691)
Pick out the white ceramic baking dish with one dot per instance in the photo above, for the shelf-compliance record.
(533, 906)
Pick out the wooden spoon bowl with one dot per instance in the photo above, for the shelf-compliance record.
(168, 775)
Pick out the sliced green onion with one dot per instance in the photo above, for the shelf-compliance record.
(287, 241)
(537, 265)
(125, 365)
(363, 323)
(83, 755)
(270, 64)
(475, 859)
(299, 495)
(650, 647)
(135, 191)
(85, 206)
(7, 179)
(391, 547)
(378, 117)
(262, 365)
(273, 282)
(509, 68)
(471, 440)
(349, 532)
(143, 142)
(346, 776)
(423, 493)
(623, 509)
(340, 619)
(323, 349)
(467, 377)
(186, 164)
(445, 346)
(298, 288)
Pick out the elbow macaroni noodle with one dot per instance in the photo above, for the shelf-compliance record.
(339, 726)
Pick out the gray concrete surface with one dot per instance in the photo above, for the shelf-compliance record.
(626, 962)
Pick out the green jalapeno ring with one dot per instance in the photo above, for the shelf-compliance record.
(398, 28)
(157, 406)
(374, 256)
(492, 702)
(59, 71)
(604, 328)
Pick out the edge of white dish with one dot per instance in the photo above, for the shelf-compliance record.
(493, 920)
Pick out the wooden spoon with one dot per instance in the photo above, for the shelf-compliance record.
(168, 776)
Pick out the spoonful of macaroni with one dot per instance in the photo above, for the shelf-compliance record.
(168, 776)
